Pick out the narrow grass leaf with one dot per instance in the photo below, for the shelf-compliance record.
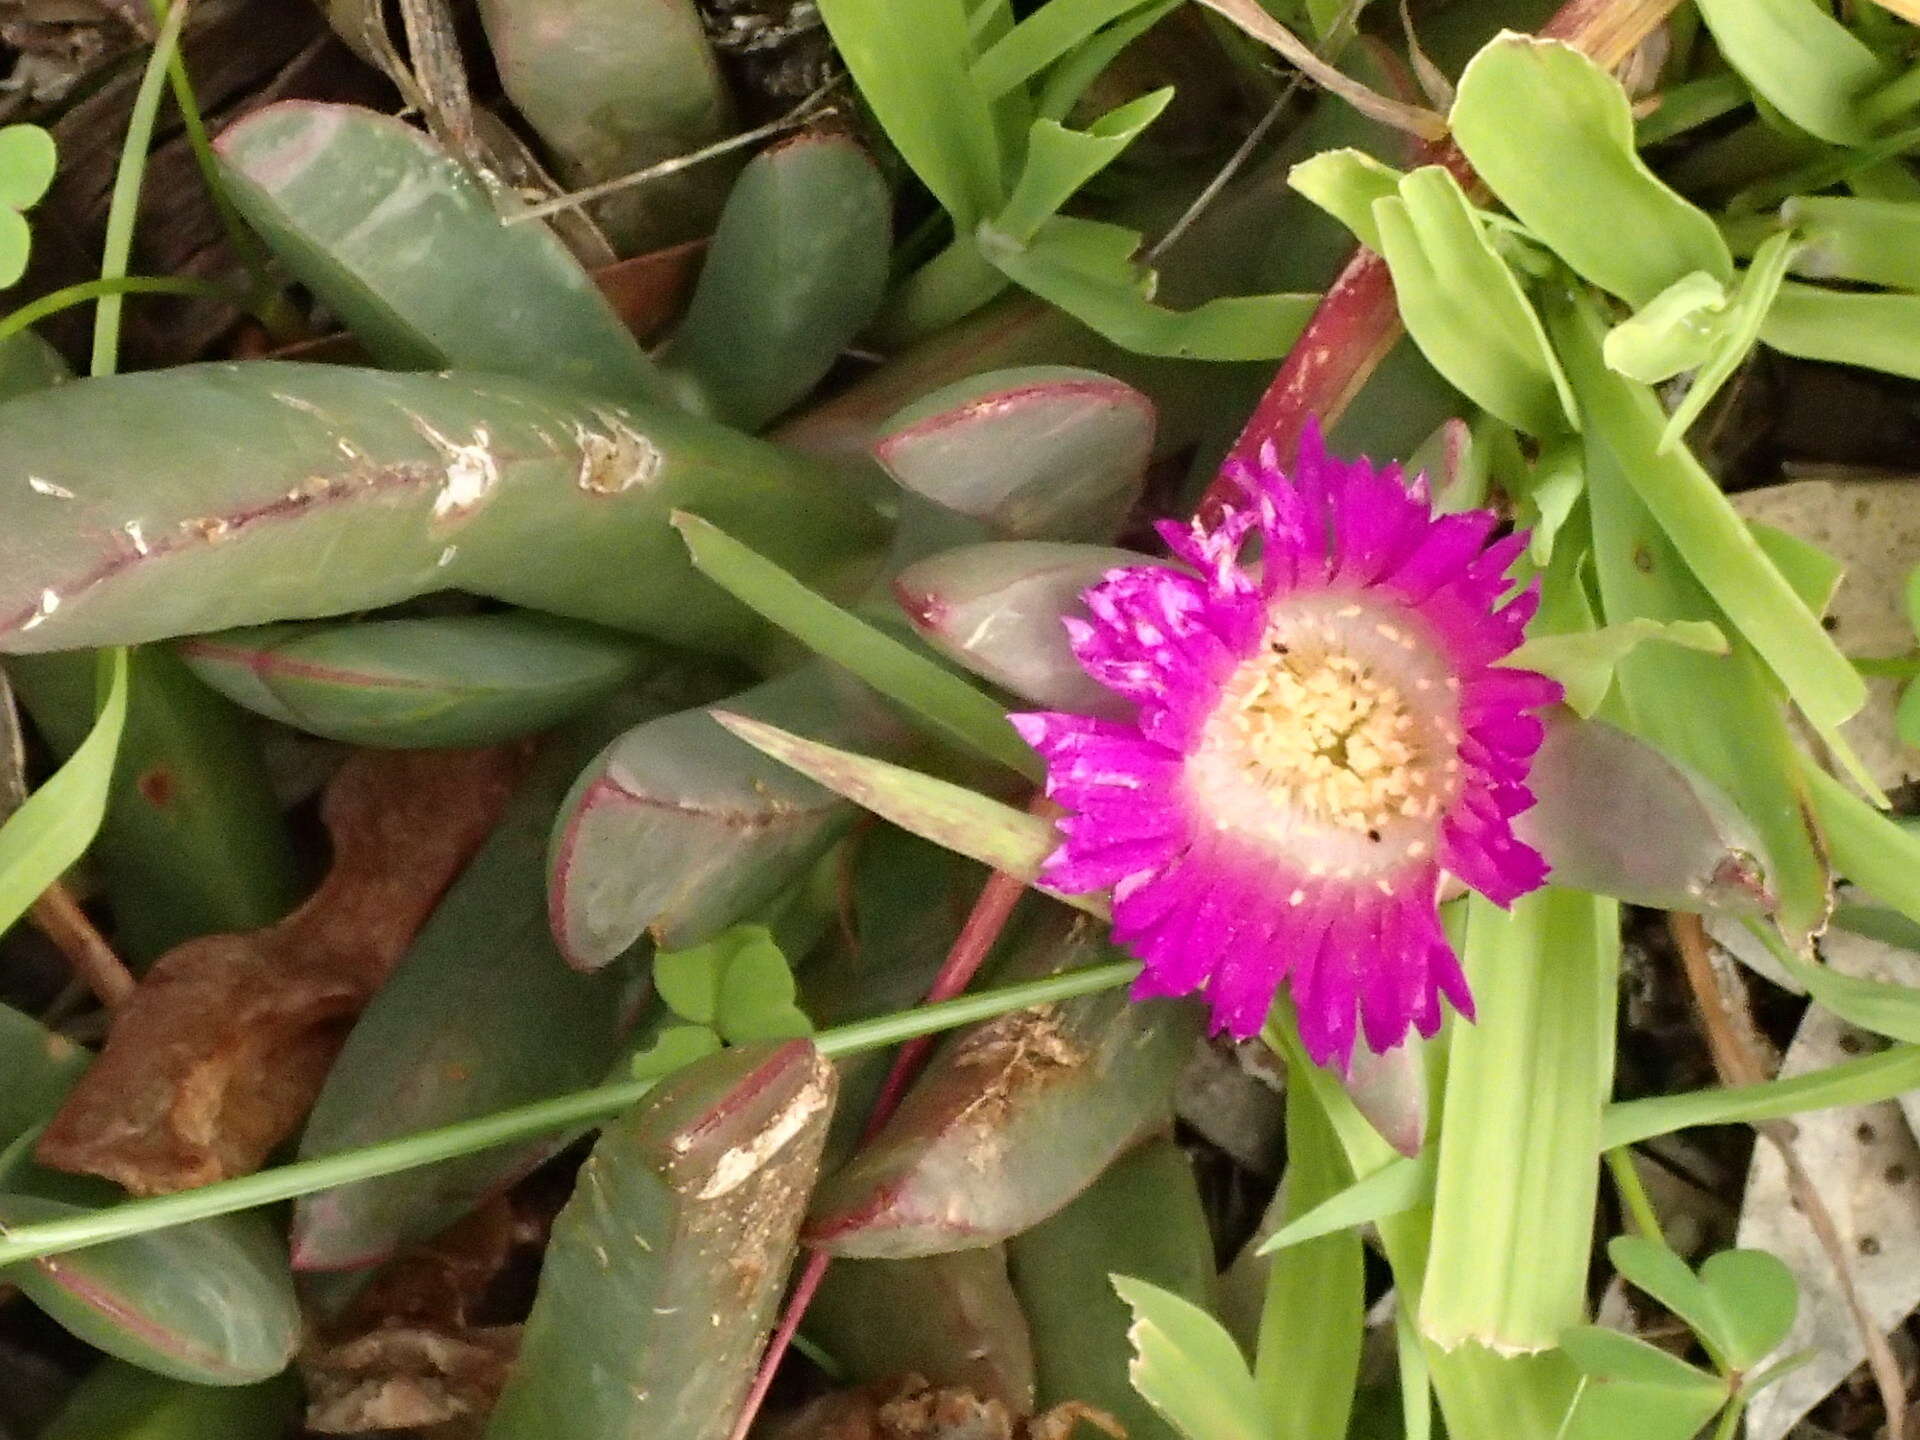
(899, 56)
(1394, 1189)
(953, 708)
(1306, 1365)
(1519, 1137)
(1872, 851)
(59, 820)
(1865, 1081)
(962, 820)
(1050, 33)
(1087, 268)
(1060, 160)
(1069, 79)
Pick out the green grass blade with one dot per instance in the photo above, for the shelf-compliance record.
(59, 820)
(953, 708)
(1519, 1154)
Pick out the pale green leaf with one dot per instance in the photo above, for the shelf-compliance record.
(1464, 308)
(1188, 1368)
(1345, 183)
(1738, 331)
(1802, 61)
(1672, 332)
(1584, 661)
(1086, 268)
(1846, 327)
(1551, 133)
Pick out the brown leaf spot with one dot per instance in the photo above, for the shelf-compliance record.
(157, 787)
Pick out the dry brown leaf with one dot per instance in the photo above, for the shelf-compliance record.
(218, 1055)
(406, 1353)
(402, 1378)
(911, 1409)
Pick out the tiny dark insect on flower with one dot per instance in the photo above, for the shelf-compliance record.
(1323, 730)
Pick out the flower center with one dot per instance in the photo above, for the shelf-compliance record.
(1337, 741)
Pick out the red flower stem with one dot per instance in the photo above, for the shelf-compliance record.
(1357, 321)
(984, 922)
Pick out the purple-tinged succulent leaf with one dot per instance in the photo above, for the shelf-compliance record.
(1013, 1118)
(1042, 452)
(666, 1265)
(679, 829)
(1615, 816)
(998, 609)
(211, 496)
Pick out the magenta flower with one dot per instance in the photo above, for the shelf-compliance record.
(1319, 734)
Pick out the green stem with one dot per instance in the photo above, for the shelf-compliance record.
(1899, 667)
(122, 209)
(1633, 1194)
(86, 290)
(270, 305)
(952, 285)
(506, 1127)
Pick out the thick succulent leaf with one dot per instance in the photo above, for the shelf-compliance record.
(1012, 1119)
(192, 842)
(1041, 452)
(118, 1401)
(1617, 817)
(1142, 1218)
(666, 1265)
(796, 269)
(997, 609)
(480, 1015)
(212, 496)
(442, 681)
(677, 829)
(210, 1302)
(952, 1319)
(39, 1065)
(417, 256)
(1551, 133)
(1191, 400)
(612, 87)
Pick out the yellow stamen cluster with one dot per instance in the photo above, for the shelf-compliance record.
(1338, 738)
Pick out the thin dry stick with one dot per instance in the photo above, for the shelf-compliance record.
(1736, 1057)
(792, 120)
(970, 948)
(1357, 321)
(59, 917)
